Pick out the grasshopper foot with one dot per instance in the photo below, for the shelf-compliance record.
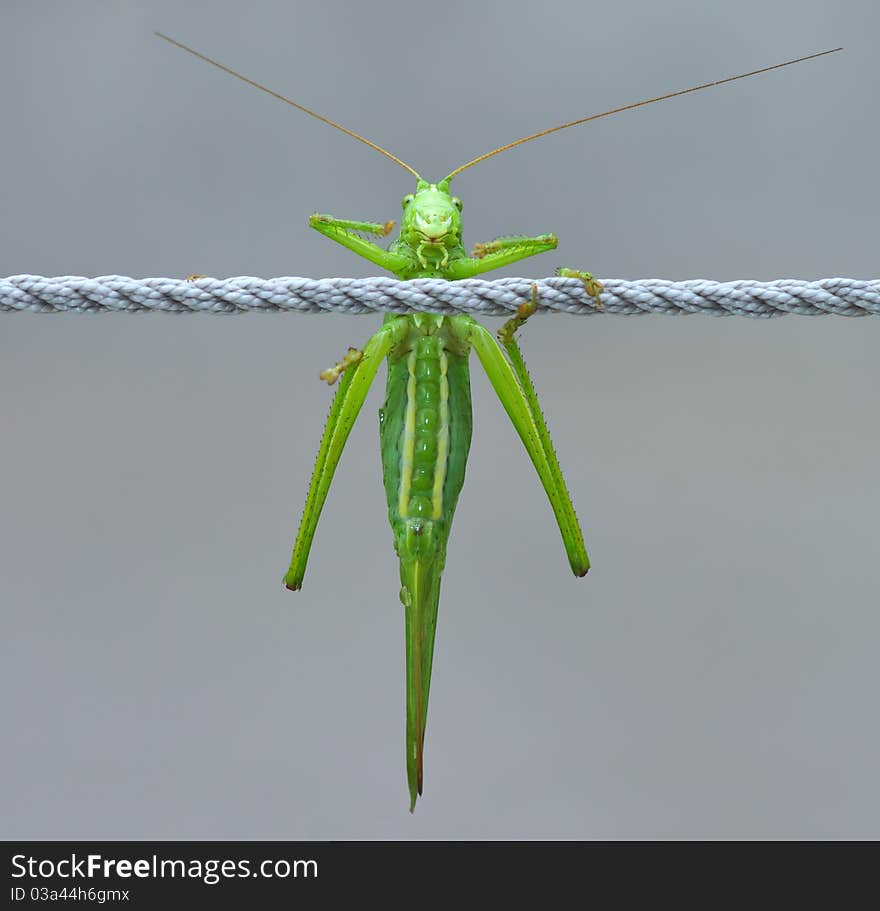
(592, 286)
(332, 374)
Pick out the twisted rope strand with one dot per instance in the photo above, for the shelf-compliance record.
(500, 297)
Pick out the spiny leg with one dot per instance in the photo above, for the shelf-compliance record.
(515, 242)
(343, 412)
(506, 335)
(592, 286)
(497, 253)
(348, 233)
(511, 382)
(379, 228)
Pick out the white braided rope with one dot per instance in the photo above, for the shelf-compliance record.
(500, 297)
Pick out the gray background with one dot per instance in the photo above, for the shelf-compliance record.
(715, 675)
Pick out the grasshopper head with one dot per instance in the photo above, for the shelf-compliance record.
(431, 221)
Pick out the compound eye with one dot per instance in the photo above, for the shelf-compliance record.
(407, 199)
(456, 202)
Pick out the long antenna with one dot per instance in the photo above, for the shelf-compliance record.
(299, 107)
(629, 107)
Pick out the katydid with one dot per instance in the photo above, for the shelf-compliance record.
(425, 424)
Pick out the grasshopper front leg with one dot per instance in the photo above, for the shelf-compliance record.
(358, 370)
(497, 253)
(348, 233)
(503, 251)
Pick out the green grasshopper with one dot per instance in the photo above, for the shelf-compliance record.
(425, 424)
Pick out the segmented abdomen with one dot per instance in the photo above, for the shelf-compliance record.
(425, 431)
(425, 450)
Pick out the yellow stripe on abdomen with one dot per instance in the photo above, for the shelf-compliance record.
(442, 442)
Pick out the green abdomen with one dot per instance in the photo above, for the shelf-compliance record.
(425, 435)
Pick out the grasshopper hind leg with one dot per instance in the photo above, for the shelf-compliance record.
(357, 370)
(514, 387)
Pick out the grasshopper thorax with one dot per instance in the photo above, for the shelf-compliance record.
(431, 222)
